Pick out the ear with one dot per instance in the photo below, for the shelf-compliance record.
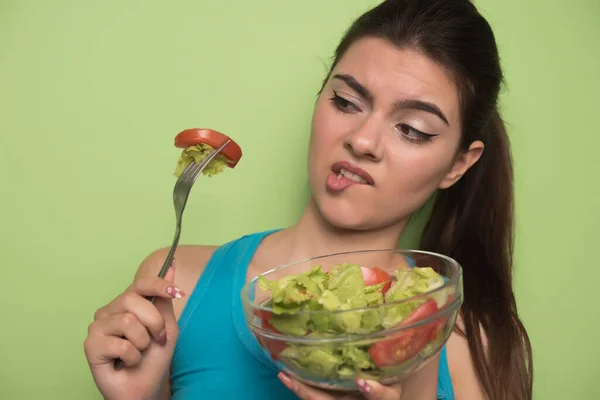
(462, 163)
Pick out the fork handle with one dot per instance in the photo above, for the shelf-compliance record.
(169, 260)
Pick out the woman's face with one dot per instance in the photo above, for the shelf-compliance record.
(385, 136)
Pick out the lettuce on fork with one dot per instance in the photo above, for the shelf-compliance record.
(196, 154)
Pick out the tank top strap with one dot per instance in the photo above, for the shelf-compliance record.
(444, 390)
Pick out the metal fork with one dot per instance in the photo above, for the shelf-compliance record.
(180, 195)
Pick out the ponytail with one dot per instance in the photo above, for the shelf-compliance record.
(473, 222)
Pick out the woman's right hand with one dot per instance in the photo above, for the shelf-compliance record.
(140, 333)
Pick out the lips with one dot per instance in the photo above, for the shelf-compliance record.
(352, 172)
(343, 174)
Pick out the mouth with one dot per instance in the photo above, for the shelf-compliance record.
(352, 172)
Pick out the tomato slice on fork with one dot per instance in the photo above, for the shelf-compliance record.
(212, 138)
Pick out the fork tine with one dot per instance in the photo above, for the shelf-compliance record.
(188, 173)
(193, 173)
(193, 170)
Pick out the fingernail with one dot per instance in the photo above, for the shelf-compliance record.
(286, 381)
(175, 292)
(363, 386)
(162, 338)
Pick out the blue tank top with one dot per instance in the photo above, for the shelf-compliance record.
(216, 356)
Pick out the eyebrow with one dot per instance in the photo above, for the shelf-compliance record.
(422, 106)
(403, 104)
(357, 86)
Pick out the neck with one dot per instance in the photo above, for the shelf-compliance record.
(312, 236)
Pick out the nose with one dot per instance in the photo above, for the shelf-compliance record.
(365, 142)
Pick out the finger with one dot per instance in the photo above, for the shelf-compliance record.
(155, 286)
(375, 391)
(102, 349)
(146, 312)
(147, 286)
(123, 325)
(303, 391)
(165, 307)
(170, 275)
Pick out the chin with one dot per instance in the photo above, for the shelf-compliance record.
(343, 215)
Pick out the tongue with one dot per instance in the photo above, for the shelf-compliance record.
(339, 183)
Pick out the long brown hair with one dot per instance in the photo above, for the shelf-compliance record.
(472, 221)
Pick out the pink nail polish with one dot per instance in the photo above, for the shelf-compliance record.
(175, 292)
(363, 386)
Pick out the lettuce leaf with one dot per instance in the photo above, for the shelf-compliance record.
(409, 283)
(198, 153)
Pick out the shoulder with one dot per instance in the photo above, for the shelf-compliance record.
(190, 261)
(187, 257)
(465, 381)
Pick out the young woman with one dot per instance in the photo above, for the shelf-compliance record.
(408, 112)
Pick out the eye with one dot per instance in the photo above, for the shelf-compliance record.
(413, 135)
(343, 105)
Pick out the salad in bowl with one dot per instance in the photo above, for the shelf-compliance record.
(372, 314)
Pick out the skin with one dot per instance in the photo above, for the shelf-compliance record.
(368, 131)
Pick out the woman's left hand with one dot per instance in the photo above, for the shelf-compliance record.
(370, 390)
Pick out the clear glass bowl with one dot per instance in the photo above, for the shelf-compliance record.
(387, 352)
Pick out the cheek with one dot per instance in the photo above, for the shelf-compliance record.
(419, 173)
(325, 131)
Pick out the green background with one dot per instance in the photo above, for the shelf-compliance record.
(93, 92)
